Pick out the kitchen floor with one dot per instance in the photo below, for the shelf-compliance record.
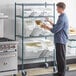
(41, 71)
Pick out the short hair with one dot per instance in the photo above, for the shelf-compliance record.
(61, 5)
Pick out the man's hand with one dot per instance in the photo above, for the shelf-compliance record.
(50, 21)
(47, 19)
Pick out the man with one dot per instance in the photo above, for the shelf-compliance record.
(60, 30)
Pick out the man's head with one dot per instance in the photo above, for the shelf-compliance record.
(60, 7)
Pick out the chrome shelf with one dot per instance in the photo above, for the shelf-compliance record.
(18, 16)
(33, 36)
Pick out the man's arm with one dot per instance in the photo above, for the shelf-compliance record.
(58, 26)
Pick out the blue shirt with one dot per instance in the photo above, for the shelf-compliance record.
(60, 29)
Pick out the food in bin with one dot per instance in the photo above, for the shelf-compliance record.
(37, 44)
(72, 30)
(39, 22)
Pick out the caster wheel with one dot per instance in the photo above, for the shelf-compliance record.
(46, 65)
(14, 75)
(23, 73)
(67, 68)
(54, 69)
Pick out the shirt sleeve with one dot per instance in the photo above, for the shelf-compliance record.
(58, 26)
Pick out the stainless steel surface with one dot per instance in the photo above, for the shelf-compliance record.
(8, 61)
(8, 56)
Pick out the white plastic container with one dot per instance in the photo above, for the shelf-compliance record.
(27, 12)
(34, 49)
(38, 12)
(37, 31)
(71, 48)
(30, 51)
(48, 12)
(28, 27)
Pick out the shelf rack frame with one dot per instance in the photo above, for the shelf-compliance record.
(23, 17)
